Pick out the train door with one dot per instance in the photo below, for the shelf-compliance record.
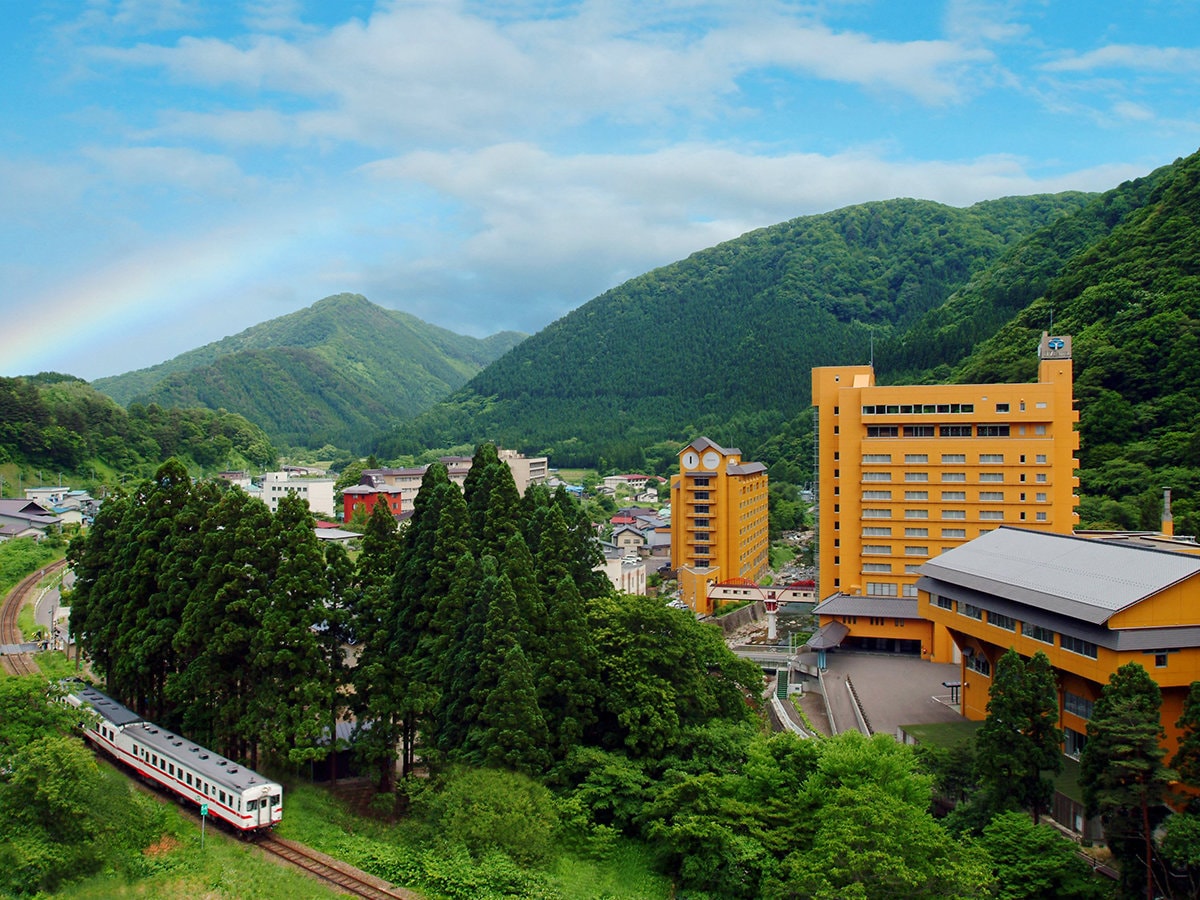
(260, 808)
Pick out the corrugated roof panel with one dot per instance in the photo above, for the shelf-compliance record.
(1025, 565)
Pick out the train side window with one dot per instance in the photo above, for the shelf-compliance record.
(251, 805)
(189, 779)
(221, 796)
(154, 759)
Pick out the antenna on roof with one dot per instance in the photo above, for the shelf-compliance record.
(872, 349)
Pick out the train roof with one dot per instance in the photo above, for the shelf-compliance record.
(105, 706)
(205, 763)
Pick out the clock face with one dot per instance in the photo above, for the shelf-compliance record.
(711, 460)
(690, 460)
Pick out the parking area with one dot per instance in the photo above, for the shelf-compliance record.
(892, 691)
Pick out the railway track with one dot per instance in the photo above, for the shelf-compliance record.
(21, 663)
(345, 877)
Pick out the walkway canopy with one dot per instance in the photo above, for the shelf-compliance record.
(828, 636)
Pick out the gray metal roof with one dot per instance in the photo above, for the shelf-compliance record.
(106, 707)
(1084, 579)
(863, 605)
(205, 763)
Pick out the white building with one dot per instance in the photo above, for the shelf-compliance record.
(317, 491)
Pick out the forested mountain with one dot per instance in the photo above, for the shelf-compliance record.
(331, 373)
(1131, 298)
(724, 341)
(59, 423)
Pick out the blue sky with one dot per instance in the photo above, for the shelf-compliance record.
(174, 171)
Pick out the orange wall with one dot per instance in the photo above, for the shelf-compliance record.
(1040, 419)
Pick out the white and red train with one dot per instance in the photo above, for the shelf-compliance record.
(234, 794)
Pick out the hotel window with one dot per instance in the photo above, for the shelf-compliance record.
(909, 590)
(1001, 407)
(991, 430)
(954, 476)
(978, 663)
(911, 568)
(916, 532)
(954, 532)
(1077, 705)
(1039, 429)
(943, 602)
(700, 482)
(877, 476)
(1040, 496)
(700, 523)
(1037, 632)
(916, 495)
(916, 476)
(991, 496)
(877, 513)
(702, 509)
(954, 495)
(916, 514)
(1008, 623)
(1040, 459)
(954, 513)
(970, 610)
(1079, 646)
(701, 536)
(915, 458)
(883, 431)
(877, 568)
(1041, 517)
(1041, 478)
(877, 531)
(870, 458)
(877, 495)
(882, 589)
(918, 431)
(916, 550)
(954, 431)
(703, 495)
(1073, 742)
(877, 550)
(991, 476)
(990, 458)
(991, 515)
(951, 458)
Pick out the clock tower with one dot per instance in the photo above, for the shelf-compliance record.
(718, 520)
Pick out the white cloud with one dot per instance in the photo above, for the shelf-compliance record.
(1177, 60)
(178, 167)
(429, 72)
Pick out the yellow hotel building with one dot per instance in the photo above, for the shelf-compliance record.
(719, 528)
(907, 472)
(1090, 605)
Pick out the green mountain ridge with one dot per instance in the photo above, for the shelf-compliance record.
(331, 373)
(724, 341)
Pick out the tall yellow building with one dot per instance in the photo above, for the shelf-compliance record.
(719, 529)
(906, 472)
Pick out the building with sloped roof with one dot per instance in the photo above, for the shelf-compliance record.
(1090, 605)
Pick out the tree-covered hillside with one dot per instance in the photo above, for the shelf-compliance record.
(58, 423)
(332, 373)
(1131, 298)
(724, 340)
